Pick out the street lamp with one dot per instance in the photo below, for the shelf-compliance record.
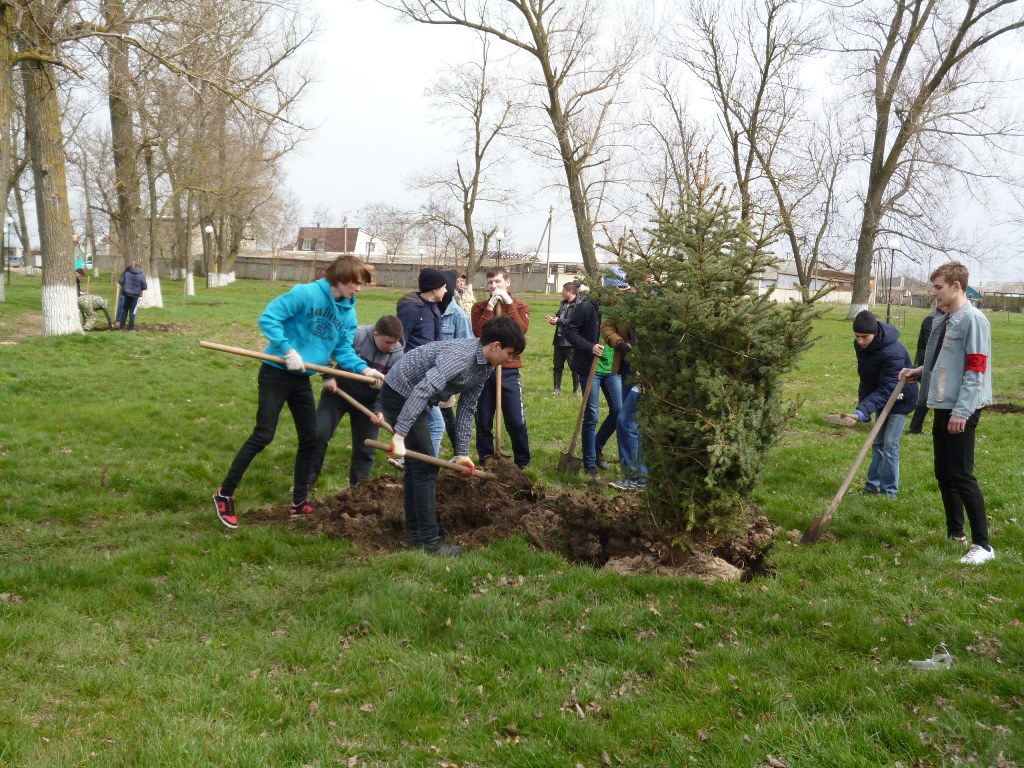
(420, 252)
(208, 245)
(499, 236)
(894, 245)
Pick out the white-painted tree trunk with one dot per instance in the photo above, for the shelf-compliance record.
(60, 311)
(190, 284)
(856, 309)
(153, 296)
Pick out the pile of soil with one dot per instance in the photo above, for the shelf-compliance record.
(584, 526)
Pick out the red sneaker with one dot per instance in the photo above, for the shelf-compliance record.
(302, 509)
(225, 506)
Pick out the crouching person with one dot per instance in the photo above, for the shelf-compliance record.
(435, 374)
(88, 305)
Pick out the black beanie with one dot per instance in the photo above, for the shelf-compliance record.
(430, 279)
(865, 322)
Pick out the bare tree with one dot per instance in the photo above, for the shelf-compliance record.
(277, 224)
(786, 165)
(581, 72)
(391, 227)
(472, 101)
(921, 67)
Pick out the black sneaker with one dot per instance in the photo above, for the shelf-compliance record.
(225, 506)
(442, 548)
(302, 509)
(592, 471)
(601, 463)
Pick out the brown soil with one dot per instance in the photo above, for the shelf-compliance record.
(1004, 408)
(584, 526)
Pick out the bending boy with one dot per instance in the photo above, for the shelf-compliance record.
(433, 375)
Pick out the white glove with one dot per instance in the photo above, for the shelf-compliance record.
(377, 376)
(397, 448)
(465, 461)
(449, 403)
(501, 294)
(293, 361)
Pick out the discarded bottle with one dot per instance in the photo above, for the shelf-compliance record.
(941, 659)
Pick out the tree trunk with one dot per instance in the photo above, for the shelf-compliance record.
(6, 93)
(865, 253)
(43, 124)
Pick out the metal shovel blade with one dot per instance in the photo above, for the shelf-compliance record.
(569, 463)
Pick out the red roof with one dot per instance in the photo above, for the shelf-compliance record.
(334, 239)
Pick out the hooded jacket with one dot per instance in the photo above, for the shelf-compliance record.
(309, 320)
(879, 368)
(133, 282)
(421, 320)
(366, 348)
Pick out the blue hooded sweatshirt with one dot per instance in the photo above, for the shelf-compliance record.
(310, 321)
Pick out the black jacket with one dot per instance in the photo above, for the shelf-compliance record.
(421, 320)
(582, 333)
(879, 369)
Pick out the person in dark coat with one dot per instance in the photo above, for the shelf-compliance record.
(880, 358)
(563, 349)
(133, 285)
(921, 411)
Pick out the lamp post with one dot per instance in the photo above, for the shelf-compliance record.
(208, 246)
(499, 236)
(894, 245)
(420, 252)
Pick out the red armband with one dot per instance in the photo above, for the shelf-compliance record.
(978, 363)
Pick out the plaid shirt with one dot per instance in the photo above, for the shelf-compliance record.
(435, 372)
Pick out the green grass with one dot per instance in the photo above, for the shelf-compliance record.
(134, 630)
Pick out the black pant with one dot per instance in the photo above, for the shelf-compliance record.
(329, 413)
(954, 469)
(131, 306)
(917, 422)
(420, 480)
(563, 355)
(277, 387)
(513, 413)
(448, 414)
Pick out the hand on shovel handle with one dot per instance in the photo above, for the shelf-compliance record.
(451, 466)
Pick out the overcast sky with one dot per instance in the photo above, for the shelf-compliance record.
(374, 122)
(373, 131)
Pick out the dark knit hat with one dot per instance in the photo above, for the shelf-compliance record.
(430, 279)
(865, 322)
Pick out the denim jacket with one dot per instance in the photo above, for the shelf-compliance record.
(961, 378)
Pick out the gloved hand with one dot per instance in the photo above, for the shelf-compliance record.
(465, 461)
(373, 373)
(624, 347)
(859, 415)
(499, 295)
(449, 403)
(397, 448)
(842, 419)
(293, 361)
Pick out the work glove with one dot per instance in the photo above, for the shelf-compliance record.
(373, 373)
(397, 448)
(293, 361)
(624, 347)
(499, 295)
(842, 419)
(859, 415)
(449, 403)
(465, 461)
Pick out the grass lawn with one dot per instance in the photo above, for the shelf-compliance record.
(136, 631)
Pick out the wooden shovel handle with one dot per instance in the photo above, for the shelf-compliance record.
(583, 405)
(373, 382)
(427, 459)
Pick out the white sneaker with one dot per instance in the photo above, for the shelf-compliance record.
(977, 555)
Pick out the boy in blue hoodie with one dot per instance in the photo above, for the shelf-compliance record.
(314, 322)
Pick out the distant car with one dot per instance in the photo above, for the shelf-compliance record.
(16, 261)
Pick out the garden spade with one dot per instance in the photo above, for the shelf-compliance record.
(428, 459)
(820, 523)
(567, 462)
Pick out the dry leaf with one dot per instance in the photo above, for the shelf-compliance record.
(367, 708)
(702, 735)
(773, 762)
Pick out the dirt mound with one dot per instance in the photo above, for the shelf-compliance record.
(585, 527)
(1004, 408)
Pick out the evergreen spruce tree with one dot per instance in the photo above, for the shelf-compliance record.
(710, 356)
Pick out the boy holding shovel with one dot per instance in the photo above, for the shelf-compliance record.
(314, 323)
(433, 375)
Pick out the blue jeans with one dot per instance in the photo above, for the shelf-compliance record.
(435, 423)
(593, 438)
(884, 472)
(627, 431)
(419, 483)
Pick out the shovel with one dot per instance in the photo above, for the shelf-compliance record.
(374, 382)
(499, 420)
(428, 459)
(567, 462)
(820, 523)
